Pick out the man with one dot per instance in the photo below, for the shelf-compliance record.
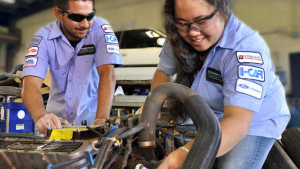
(79, 49)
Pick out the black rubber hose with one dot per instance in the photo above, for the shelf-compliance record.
(117, 132)
(207, 141)
(117, 152)
(99, 144)
(19, 135)
(102, 155)
(132, 131)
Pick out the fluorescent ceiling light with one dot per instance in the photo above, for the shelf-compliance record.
(8, 1)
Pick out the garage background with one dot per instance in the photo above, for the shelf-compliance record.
(278, 21)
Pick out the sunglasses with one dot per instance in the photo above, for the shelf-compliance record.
(80, 17)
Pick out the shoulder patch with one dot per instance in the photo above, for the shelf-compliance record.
(32, 51)
(113, 49)
(111, 39)
(249, 88)
(251, 72)
(107, 28)
(87, 50)
(214, 76)
(36, 40)
(249, 57)
(31, 61)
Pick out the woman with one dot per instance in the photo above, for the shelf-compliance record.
(229, 65)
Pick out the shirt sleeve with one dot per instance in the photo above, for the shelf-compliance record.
(247, 73)
(107, 47)
(167, 62)
(36, 59)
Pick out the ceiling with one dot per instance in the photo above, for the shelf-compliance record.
(21, 8)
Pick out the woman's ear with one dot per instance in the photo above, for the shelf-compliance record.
(57, 14)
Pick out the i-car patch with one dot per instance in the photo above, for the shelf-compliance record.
(251, 72)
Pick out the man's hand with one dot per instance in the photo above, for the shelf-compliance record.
(54, 121)
(174, 160)
(140, 111)
(99, 122)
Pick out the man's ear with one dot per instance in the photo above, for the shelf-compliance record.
(57, 14)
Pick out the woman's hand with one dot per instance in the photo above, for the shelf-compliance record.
(174, 160)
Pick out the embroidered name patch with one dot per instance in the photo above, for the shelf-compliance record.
(249, 57)
(32, 61)
(32, 51)
(111, 39)
(107, 28)
(87, 50)
(250, 72)
(36, 40)
(214, 76)
(249, 88)
(113, 49)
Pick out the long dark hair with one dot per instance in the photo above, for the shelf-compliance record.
(188, 58)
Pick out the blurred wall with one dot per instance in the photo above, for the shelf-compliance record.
(278, 21)
(3, 51)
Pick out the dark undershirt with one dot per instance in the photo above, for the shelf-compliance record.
(74, 43)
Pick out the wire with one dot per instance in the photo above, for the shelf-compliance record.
(168, 150)
(172, 135)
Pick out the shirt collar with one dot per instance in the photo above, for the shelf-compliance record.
(228, 39)
(55, 31)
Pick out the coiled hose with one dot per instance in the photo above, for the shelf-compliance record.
(206, 145)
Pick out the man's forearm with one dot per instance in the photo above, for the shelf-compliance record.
(33, 101)
(105, 96)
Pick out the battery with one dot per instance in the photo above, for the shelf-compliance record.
(16, 118)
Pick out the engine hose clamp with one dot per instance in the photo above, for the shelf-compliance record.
(111, 139)
(118, 142)
(147, 144)
(93, 145)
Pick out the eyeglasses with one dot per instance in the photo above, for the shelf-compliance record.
(80, 17)
(200, 24)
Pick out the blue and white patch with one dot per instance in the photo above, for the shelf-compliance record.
(36, 40)
(249, 57)
(32, 51)
(249, 88)
(111, 39)
(113, 49)
(107, 28)
(32, 61)
(251, 72)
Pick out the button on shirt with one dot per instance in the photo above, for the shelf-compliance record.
(74, 77)
(238, 71)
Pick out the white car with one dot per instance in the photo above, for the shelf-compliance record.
(140, 49)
